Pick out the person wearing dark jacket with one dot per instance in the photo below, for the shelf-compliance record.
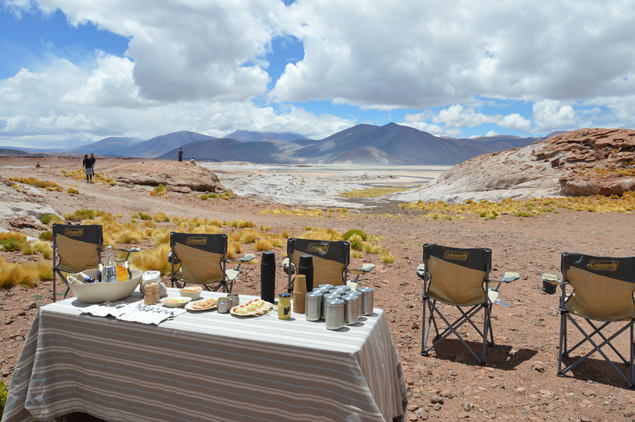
(87, 165)
(92, 165)
(180, 155)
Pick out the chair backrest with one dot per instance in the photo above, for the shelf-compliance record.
(330, 258)
(603, 286)
(77, 247)
(457, 275)
(202, 256)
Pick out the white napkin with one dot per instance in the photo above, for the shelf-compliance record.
(151, 317)
(133, 312)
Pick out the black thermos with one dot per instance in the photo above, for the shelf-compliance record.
(268, 277)
(305, 266)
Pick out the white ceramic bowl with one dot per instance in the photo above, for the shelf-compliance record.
(101, 292)
(182, 301)
(194, 295)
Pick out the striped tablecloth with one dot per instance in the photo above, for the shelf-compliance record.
(205, 366)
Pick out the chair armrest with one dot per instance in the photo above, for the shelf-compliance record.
(129, 250)
(365, 268)
(421, 271)
(172, 258)
(247, 257)
(288, 266)
(552, 279)
(508, 277)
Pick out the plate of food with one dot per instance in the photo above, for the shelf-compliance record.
(253, 308)
(202, 305)
(175, 302)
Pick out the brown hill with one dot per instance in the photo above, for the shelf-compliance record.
(581, 162)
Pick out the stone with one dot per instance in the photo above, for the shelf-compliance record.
(177, 177)
(466, 406)
(24, 209)
(423, 415)
(436, 399)
(539, 367)
(437, 407)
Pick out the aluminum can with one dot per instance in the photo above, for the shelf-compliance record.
(367, 299)
(313, 310)
(334, 314)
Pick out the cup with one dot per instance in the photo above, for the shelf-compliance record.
(224, 305)
(233, 298)
(313, 306)
(334, 314)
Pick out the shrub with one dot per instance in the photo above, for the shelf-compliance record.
(161, 217)
(72, 191)
(79, 215)
(203, 197)
(159, 190)
(144, 216)
(47, 235)
(50, 219)
(355, 254)
(351, 232)
(212, 195)
(357, 242)
(11, 244)
(286, 234)
(27, 249)
(12, 235)
(3, 396)
(277, 243)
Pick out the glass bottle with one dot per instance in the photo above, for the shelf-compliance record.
(110, 271)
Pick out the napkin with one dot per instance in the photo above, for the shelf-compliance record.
(134, 312)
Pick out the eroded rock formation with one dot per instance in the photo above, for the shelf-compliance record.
(19, 209)
(178, 177)
(580, 162)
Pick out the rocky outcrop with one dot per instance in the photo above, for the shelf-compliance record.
(581, 162)
(22, 209)
(177, 177)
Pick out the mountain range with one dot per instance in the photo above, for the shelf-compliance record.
(361, 144)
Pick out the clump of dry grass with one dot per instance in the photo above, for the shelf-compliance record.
(386, 256)
(129, 237)
(249, 235)
(152, 260)
(161, 237)
(371, 192)
(263, 244)
(304, 212)
(44, 248)
(355, 254)
(72, 191)
(18, 275)
(286, 234)
(233, 249)
(242, 224)
(12, 235)
(207, 229)
(321, 234)
(161, 217)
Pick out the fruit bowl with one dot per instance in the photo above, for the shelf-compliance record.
(102, 292)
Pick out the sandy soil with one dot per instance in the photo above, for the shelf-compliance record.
(519, 382)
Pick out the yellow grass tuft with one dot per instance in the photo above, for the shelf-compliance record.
(355, 254)
(249, 235)
(371, 192)
(72, 191)
(242, 224)
(161, 217)
(12, 235)
(263, 244)
(286, 234)
(129, 237)
(321, 234)
(152, 260)
(18, 275)
(44, 248)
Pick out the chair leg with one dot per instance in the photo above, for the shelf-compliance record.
(563, 343)
(632, 357)
(485, 327)
(54, 282)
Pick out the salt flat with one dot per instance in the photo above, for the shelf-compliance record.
(316, 185)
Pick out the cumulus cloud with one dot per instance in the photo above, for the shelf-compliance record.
(423, 54)
(551, 115)
(457, 116)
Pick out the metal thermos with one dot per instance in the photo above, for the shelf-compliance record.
(223, 305)
(334, 314)
(359, 296)
(313, 308)
(268, 277)
(352, 306)
(328, 296)
(305, 266)
(367, 300)
(233, 297)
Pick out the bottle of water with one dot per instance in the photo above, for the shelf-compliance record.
(110, 271)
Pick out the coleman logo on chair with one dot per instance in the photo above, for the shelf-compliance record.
(318, 248)
(73, 232)
(455, 255)
(197, 241)
(594, 265)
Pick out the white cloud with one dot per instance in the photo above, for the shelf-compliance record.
(423, 54)
(516, 122)
(552, 115)
(491, 133)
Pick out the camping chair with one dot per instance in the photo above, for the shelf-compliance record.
(330, 262)
(458, 277)
(603, 292)
(202, 259)
(75, 249)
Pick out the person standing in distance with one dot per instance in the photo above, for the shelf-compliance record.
(180, 155)
(92, 165)
(87, 165)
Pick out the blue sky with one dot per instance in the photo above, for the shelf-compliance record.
(75, 72)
